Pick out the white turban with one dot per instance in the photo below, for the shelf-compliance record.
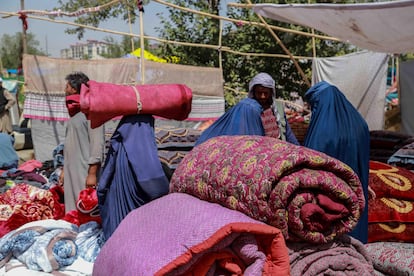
(263, 79)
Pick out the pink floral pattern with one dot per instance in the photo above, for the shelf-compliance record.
(306, 194)
(392, 258)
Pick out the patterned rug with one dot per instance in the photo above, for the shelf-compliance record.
(391, 212)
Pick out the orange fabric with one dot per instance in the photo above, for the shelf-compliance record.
(225, 259)
(270, 241)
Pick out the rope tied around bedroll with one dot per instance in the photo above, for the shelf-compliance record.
(102, 102)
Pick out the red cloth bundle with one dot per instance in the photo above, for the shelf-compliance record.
(87, 208)
(103, 101)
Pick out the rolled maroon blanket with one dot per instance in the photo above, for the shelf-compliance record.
(308, 195)
(103, 101)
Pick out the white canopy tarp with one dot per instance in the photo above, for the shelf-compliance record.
(385, 27)
(361, 76)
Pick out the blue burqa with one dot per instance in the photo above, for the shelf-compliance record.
(132, 174)
(338, 129)
(242, 119)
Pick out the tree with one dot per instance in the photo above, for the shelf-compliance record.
(247, 38)
(117, 50)
(185, 26)
(127, 10)
(189, 27)
(250, 38)
(114, 49)
(11, 49)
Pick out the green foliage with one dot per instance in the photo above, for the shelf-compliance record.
(185, 26)
(247, 38)
(123, 9)
(188, 27)
(11, 49)
(120, 49)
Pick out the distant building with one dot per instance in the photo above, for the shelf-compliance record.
(92, 49)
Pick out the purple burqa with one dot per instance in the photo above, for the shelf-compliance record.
(132, 174)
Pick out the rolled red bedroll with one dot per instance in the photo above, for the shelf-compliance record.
(103, 101)
(308, 195)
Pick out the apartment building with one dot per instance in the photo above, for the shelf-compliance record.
(92, 49)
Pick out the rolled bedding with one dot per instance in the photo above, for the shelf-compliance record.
(344, 256)
(179, 234)
(102, 102)
(307, 194)
(45, 245)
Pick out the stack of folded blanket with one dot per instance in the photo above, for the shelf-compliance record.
(391, 212)
(315, 200)
(307, 194)
(391, 219)
(174, 143)
(179, 234)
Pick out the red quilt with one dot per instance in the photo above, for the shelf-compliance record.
(24, 203)
(391, 212)
(391, 181)
(307, 194)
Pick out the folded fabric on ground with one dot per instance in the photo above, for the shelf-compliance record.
(14, 267)
(45, 245)
(344, 256)
(89, 241)
(24, 203)
(179, 234)
(102, 102)
(307, 194)
(392, 258)
(37, 247)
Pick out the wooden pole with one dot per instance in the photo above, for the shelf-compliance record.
(130, 31)
(24, 37)
(313, 39)
(220, 41)
(305, 79)
(141, 26)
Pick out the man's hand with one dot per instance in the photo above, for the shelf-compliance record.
(91, 181)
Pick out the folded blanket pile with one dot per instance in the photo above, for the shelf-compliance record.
(46, 245)
(25, 203)
(392, 258)
(344, 256)
(391, 212)
(179, 234)
(307, 194)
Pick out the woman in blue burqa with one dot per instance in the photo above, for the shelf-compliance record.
(258, 114)
(132, 174)
(338, 129)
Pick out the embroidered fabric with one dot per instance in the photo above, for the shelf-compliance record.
(270, 125)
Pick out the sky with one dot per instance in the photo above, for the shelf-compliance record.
(52, 36)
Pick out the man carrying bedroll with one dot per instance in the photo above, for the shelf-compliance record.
(6, 102)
